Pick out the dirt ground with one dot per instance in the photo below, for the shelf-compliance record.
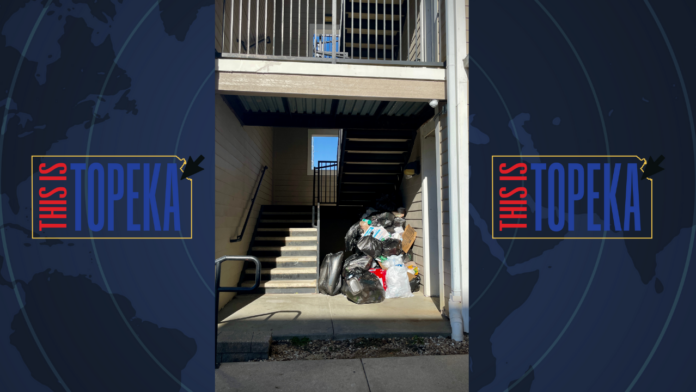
(305, 349)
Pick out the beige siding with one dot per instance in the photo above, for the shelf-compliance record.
(240, 154)
(291, 183)
(411, 193)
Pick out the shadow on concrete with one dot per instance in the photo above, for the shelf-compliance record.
(271, 314)
(325, 317)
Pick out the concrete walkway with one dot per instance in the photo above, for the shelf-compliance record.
(425, 373)
(319, 316)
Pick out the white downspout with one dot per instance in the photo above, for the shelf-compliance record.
(458, 139)
(463, 151)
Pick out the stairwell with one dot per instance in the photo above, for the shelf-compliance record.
(286, 244)
(372, 163)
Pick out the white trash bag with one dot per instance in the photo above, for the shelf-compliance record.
(398, 285)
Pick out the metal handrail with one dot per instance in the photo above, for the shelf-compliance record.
(218, 289)
(318, 227)
(239, 237)
(324, 183)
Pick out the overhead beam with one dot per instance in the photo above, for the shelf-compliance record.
(335, 87)
(319, 69)
(331, 121)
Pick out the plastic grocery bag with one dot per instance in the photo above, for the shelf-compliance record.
(378, 232)
(353, 236)
(381, 274)
(391, 247)
(330, 274)
(398, 285)
(370, 246)
(356, 261)
(363, 287)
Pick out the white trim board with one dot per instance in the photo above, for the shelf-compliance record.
(321, 69)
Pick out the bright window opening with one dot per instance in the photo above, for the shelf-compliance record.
(324, 148)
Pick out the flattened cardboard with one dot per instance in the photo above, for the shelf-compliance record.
(408, 238)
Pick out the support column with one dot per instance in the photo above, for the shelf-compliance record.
(458, 146)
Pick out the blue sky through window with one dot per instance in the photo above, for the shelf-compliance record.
(324, 148)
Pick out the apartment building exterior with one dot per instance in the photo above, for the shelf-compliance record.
(389, 80)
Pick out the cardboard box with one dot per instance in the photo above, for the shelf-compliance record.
(408, 238)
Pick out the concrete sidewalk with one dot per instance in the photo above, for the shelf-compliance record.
(435, 373)
(325, 317)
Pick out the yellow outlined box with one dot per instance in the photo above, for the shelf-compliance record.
(567, 238)
(106, 238)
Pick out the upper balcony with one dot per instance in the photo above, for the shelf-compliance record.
(368, 32)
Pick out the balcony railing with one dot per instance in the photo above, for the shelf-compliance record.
(392, 32)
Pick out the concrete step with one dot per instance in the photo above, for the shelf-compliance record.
(284, 248)
(285, 220)
(288, 261)
(289, 239)
(275, 251)
(292, 208)
(284, 286)
(285, 241)
(287, 213)
(285, 223)
(290, 273)
(287, 231)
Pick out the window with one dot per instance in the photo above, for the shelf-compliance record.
(322, 146)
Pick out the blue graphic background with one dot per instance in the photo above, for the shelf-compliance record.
(599, 78)
(105, 77)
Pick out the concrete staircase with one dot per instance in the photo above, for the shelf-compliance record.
(286, 245)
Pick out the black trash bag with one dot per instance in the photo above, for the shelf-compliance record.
(388, 202)
(391, 247)
(375, 220)
(415, 284)
(386, 219)
(399, 222)
(353, 236)
(363, 287)
(362, 262)
(330, 274)
(370, 246)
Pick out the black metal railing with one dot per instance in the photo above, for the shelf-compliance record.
(239, 237)
(325, 184)
(218, 289)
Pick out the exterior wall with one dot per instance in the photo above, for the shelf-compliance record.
(291, 183)
(240, 154)
(411, 191)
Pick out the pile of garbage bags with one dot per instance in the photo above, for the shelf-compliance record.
(379, 268)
